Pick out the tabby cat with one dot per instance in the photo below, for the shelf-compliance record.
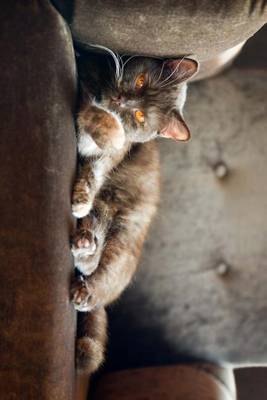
(117, 190)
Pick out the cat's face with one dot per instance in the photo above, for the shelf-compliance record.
(149, 96)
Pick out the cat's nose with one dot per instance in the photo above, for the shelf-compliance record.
(119, 100)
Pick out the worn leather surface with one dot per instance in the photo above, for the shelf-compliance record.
(203, 28)
(181, 382)
(37, 165)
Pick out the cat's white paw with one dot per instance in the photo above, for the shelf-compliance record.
(84, 246)
(83, 252)
(82, 307)
(80, 210)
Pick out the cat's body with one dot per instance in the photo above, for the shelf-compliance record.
(123, 210)
(117, 190)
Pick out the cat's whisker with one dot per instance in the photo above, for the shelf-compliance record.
(111, 66)
(130, 58)
(173, 72)
(119, 79)
(113, 55)
(161, 71)
(170, 82)
(121, 65)
(120, 57)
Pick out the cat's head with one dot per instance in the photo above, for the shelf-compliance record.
(149, 96)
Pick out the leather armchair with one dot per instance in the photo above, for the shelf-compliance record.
(38, 158)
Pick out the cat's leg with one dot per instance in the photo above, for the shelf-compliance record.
(90, 347)
(89, 239)
(117, 264)
(131, 196)
(91, 177)
(93, 174)
(85, 245)
(101, 142)
(84, 191)
(103, 126)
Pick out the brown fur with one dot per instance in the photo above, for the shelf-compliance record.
(117, 190)
(100, 124)
(90, 347)
(125, 208)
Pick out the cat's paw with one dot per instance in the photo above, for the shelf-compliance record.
(81, 294)
(89, 355)
(81, 199)
(84, 245)
(104, 126)
(80, 210)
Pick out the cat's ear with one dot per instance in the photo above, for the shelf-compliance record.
(176, 128)
(181, 69)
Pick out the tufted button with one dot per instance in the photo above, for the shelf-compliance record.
(222, 268)
(221, 170)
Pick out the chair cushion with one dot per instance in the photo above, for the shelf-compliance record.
(164, 28)
(201, 288)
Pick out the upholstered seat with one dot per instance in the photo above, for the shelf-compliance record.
(200, 292)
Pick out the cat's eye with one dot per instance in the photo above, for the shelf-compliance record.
(140, 81)
(139, 116)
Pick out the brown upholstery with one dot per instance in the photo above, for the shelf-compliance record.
(164, 383)
(37, 158)
(165, 28)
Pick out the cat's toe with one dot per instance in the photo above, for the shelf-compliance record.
(89, 355)
(84, 246)
(84, 243)
(80, 210)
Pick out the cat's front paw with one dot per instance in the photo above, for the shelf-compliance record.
(81, 199)
(81, 294)
(80, 210)
(104, 127)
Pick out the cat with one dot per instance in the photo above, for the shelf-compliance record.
(117, 190)
(143, 101)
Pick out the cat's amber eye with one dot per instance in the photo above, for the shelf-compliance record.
(140, 81)
(139, 116)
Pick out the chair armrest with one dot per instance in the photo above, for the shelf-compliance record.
(38, 161)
